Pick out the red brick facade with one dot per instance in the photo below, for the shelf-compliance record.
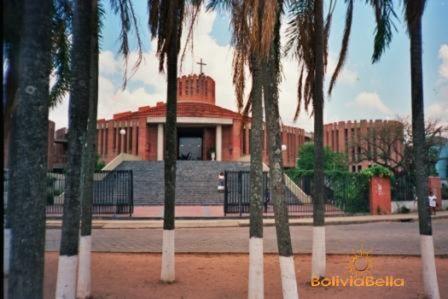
(355, 139)
(197, 111)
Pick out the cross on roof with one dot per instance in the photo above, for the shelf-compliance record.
(200, 65)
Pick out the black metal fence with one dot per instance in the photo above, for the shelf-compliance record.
(112, 193)
(403, 188)
(344, 193)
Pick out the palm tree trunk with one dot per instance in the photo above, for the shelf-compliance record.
(256, 285)
(418, 135)
(11, 81)
(88, 168)
(78, 116)
(318, 253)
(168, 269)
(271, 77)
(28, 154)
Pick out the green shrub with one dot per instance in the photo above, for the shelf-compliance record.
(377, 170)
(404, 210)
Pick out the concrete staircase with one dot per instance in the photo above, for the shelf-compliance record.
(196, 181)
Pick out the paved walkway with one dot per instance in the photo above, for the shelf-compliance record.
(236, 222)
(399, 238)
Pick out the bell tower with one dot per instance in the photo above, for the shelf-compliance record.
(196, 88)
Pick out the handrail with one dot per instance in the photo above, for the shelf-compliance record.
(120, 158)
(292, 186)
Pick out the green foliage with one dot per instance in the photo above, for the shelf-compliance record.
(332, 161)
(347, 191)
(377, 170)
(350, 191)
(99, 164)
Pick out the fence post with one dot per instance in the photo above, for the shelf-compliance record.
(131, 193)
(225, 193)
(380, 195)
(240, 193)
(114, 198)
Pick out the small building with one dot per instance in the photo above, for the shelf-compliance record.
(205, 131)
(366, 142)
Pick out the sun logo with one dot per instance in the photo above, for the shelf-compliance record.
(360, 263)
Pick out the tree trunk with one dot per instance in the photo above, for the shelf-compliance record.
(88, 168)
(78, 116)
(28, 154)
(168, 269)
(256, 285)
(418, 135)
(318, 254)
(271, 77)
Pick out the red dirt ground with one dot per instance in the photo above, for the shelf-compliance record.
(123, 275)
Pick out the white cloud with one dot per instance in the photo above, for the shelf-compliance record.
(108, 64)
(346, 76)
(438, 110)
(372, 101)
(443, 68)
(219, 66)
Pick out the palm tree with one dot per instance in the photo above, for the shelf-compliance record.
(256, 285)
(255, 24)
(271, 80)
(308, 35)
(413, 13)
(61, 16)
(88, 164)
(79, 104)
(80, 89)
(166, 18)
(28, 151)
(384, 14)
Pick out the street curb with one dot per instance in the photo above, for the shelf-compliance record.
(441, 256)
(214, 223)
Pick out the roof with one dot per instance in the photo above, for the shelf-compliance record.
(191, 109)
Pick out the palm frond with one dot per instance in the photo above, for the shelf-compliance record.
(344, 46)
(60, 50)
(125, 10)
(384, 16)
(413, 10)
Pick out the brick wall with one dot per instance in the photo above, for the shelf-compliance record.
(351, 138)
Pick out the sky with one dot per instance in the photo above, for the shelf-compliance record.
(363, 90)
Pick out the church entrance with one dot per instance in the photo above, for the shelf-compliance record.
(189, 142)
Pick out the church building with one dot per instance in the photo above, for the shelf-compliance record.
(205, 131)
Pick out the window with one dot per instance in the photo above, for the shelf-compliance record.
(119, 140)
(353, 168)
(136, 143)
(346, 140)
(130, 140)
(115, 139)
(359, 168)
(107, 140)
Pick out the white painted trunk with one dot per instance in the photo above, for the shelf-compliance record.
(6, 250)
(168, 273)
(256, 282)
(288, 276)
(84, 268)
(430, 283)
(318, 259)
(66, 281)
